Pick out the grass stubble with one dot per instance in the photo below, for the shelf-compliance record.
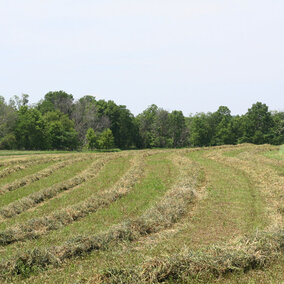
(34, 199)
(36, 227)
(240, 255)
(162, 215)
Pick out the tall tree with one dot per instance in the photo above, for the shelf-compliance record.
(85, 115)
(222, 125)
(8, 116)
(91, 138)
(178, 129)
(278, 128)
(122, 122)
(31, 130)
(61, 131)
(106, 139)
(58, 100)
(146, 122)
(258, 123)
(201, 131)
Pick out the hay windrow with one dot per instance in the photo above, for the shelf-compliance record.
(42, 225)
(248, 253)
(162, 215)
(29, 159)
(39, 175)
(22, 166)
(268, 182)
(133, 251)
(32, 200)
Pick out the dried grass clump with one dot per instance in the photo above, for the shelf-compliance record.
(39, 175)
(39, 226)
(243, 255)
(32, 200)
(10, 170)
(27, 263)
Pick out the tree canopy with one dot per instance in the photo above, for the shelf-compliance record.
(59, 122)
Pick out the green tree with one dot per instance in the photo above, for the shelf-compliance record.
(58, 100)
(278, 128)
(221, 123)
(17, 102)
(146, 121)
(91, 138)
(201, 131)
(31, 130)
(178, 129)
(62, 133)
(122, 123)
(258, 124)
(86, 115)
(106, 139)
(8, 117)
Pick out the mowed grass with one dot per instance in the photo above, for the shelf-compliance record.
(106, 178)
(230, 205)
(25, 172)
(7, 153)
(57, 176)
(160, 174)
(276, 154)
(227, 210)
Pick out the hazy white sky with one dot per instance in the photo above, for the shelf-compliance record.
(190, 55)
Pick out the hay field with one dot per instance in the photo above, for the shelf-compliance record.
(208, 215)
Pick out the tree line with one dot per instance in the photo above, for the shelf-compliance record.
(58, 122)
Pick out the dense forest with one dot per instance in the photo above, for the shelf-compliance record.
(59, 122)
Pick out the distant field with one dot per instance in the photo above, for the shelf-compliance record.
(205, 215)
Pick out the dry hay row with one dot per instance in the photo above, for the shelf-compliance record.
(20, 167)
(39, 175)
(162, 215)
(228, 147)
(242, 255)
(255, 154)
(32, 200)
(42, 225)
(28, 159)
(197, 178)
(210, 148)
(269, 182)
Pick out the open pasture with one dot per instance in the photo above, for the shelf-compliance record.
(203, 215)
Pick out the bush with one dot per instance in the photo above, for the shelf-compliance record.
(8, 142)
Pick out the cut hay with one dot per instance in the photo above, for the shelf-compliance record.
(32, 200)
(42, 225)
(162, 215)
(242, 255)
(39, 175)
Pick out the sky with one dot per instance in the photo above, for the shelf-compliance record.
(189, 55)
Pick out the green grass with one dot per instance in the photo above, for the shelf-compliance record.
(25, 172)
(55, 177)
(276, 154)
(6, 153)
(160, 175)
(109, 175)
(106, 178)
(229, 209)
(231, 205)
